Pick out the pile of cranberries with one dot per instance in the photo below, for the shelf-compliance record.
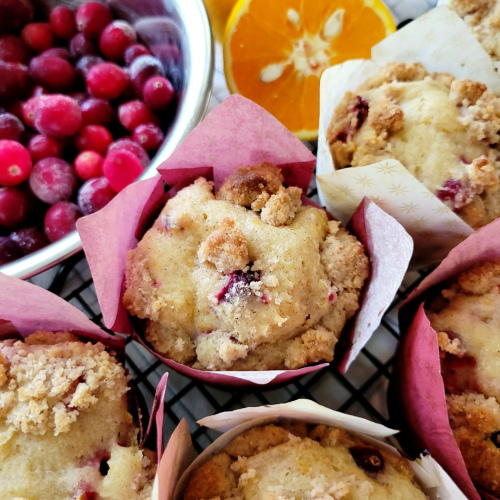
(83, 106)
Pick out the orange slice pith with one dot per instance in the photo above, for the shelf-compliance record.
(276, 50)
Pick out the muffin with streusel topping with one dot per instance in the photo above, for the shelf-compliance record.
(467, 318)
(247, 278)
(299, 460)
(65, 428)
(443, 130)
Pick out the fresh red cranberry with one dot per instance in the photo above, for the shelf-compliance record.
(42, 146)
(9, 250)
(57, 116)
(170, 56)
(15, 14)
(60, 220)
(368, 458)
(134, 51)
(14, 207)
(53, 73)
(97, 111)
(135, 113)
(115, 39)
(142, 69)
(14, 49)
(52, 180)
(38, 36)
(62, 22)
(92, 18)
(94, 138)
(121, 168)
(11, 127)
(149, 136)
(29, 239)
(238, 285)
(15, 80)
(80, 46)
(28, 110)
(158, 93)
(88, 165)
(132, 146)
(15, 163)
(85, 63)
(95, 194)
(60, 52)
(106, 80)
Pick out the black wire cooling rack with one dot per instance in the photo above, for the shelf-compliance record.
(361, 391)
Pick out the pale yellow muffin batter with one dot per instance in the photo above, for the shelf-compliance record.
(443, 130)
(297, 460)
(467, 319)
(245, 279)
(65, 429)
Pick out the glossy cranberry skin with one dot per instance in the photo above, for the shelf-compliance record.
(149, 136)
(52, 180)
(15, 80)
(97, 111)
(132, 146)
(14, 207)
(80, 46)
(15, 14)
(42, 146)
(92, 18)
(11, 127)
(15, 163)
(57, 52)
(28, 110)
(134, 51)
(60, 220)
(135, 113)
(121, 168)
(142, 69)
(85, 63)
(9, 250)
(115, 39)
(29, 239)
(106, 80)
(95, 194)
(14, 49)
(57, 116)
(38, 36)
(94, 138)
(62, 22)
(53, 73)
(158, 93)
(88, 165)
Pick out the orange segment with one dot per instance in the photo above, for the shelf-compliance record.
(275, 51)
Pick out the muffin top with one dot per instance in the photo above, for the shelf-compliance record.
(466, 318)
(248, 278)
(65, 429)
(482, 17)
(297, 460)
(443, 130)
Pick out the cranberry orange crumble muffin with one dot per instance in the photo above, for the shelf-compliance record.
(467, 319)
(247, 278)
(445, 131)
(299, 460)
(65, 431)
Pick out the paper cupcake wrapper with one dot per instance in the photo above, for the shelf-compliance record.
(442, 42)
(435, 481)
(417, 395)
(237, 132)
(26, 308)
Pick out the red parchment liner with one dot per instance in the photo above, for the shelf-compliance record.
(237, 132)
(25, 308)
(416, 395)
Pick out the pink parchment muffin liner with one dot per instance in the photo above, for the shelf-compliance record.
(237, 132)
(417, 395)
(180, 454)
(26, 308)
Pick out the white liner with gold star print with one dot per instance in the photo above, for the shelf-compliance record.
(441, 41)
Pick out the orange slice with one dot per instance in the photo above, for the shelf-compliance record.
(276, 50)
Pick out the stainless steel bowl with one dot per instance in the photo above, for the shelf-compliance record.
(153, 20)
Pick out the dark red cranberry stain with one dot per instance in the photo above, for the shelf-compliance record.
(360, 109)
(238, 285)
(450, 191)
(367, 458)
(458, 373)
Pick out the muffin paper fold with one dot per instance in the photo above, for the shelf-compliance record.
(442, 42)
(26, 308)
(435, 481)
(416, 394)
(238, 132)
